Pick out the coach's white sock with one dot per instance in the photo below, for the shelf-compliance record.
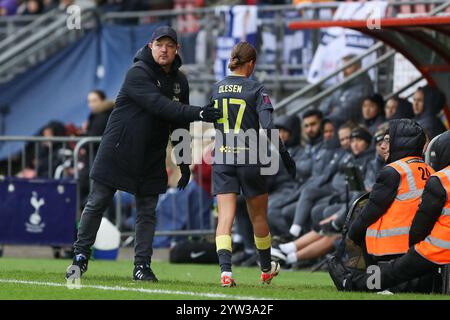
(226, 273)
(288, 247)
(292, 258)
(295, 230)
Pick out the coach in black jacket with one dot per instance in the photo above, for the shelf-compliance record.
(153, 100)
(407, 138)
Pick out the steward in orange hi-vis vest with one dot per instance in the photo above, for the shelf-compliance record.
(436, 246)
(429, 238)
(389, 235)
(383, 225)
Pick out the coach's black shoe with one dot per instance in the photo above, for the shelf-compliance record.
(78, 266)
(339, 274)
(144, 273)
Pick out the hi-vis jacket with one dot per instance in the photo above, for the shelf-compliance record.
(389, 235)
(436, 246)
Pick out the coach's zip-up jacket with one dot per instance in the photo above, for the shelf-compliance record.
(151, 102)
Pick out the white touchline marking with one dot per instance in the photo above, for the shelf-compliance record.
(143, 290)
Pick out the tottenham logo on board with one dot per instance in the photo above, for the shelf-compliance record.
(35, 224)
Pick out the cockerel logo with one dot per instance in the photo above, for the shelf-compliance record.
(34, 225)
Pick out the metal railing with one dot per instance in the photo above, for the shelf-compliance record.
(68, 166)
(35, 42)
(12, 24)
(279, 76)
(310, 102)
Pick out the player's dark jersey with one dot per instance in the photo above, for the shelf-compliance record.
(241, 99)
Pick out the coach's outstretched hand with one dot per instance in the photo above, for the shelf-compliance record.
(185, 176)
(210, 114)
(289, 163)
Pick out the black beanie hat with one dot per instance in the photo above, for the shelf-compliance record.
(362, 133)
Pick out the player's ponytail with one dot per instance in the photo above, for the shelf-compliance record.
(242, 53)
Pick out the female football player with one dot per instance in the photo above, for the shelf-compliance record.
(237, 168)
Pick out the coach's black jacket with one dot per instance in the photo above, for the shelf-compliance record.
(132, 153)
(406, 140)
(434, 195)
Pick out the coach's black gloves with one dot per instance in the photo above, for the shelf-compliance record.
(289, 163)
(210, 114)
(185, 176)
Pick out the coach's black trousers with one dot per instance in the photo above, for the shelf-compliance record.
(409, 273)
(99, 199)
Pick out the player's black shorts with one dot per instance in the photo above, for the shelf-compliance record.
(234, 179)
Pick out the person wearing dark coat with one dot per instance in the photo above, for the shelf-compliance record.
(372, 112)
(345, 103)
(328, 199)
(153, 100)
(310, 162)
(414, 271)
(407, 139)
(100, 110)
(376, 164)
(398, 108)
(427, 103)
(48, 154)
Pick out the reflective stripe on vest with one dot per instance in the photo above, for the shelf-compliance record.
(413, 192)
(446, 212)
(438, 242)
(390, 233)
(387, 232)
(436, 246)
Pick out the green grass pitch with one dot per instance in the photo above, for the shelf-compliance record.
(44, 279)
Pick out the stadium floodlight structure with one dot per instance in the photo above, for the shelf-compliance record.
(424, 41)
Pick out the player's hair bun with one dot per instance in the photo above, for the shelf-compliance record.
(242, 53)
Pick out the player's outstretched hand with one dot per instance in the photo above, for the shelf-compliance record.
(289, 163)
(185, 176)
(210, 114)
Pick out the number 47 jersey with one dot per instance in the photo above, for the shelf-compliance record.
(238, 140)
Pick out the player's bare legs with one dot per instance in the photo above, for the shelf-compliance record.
(226, 205)
(257, 208)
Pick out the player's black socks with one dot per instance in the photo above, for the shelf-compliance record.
(224, 260)
(263, 246)
(265, 260)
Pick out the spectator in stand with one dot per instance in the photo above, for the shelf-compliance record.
(427, 103)
(50, 5)
(8, 7)
(48, 154)
(328, 130)
(398, 108)
(100, 109)
(373, 112)
(31, 7)
(378, 162)
(345, 103)
(315, 190)
(313, 245)
(310, 162)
